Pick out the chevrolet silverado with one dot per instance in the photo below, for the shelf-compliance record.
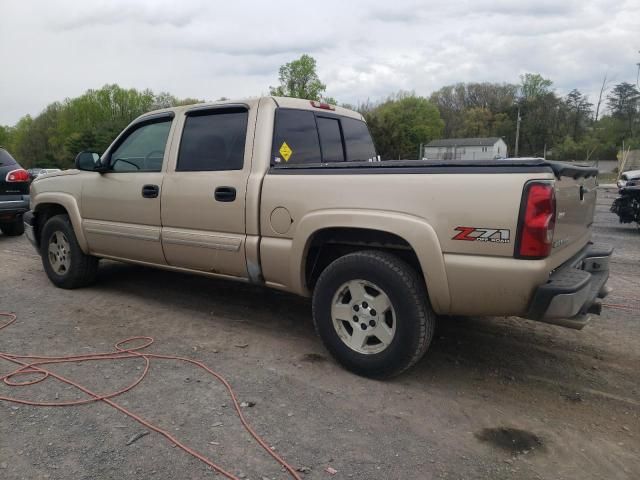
(290, 194)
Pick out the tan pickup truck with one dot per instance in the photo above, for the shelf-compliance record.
(290, 194)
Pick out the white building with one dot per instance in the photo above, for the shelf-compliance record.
(466, 149)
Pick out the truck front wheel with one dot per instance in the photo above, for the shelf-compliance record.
(66, 264)
(371, 310)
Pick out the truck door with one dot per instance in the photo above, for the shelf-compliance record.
(121, 207)
(203, 195)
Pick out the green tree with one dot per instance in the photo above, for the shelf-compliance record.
(455, 102)
(88, 122)
(401, 123)
(477, 122)
(534, 85)
(20, 146)
(166, 100)
(579, 109)
(299, 79)
(5, 136)
(540, 112)
(624, 102)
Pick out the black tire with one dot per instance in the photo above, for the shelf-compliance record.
(13, 229)
(82, 268)
(415, 320)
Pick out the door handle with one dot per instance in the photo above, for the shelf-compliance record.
(225, 194)
(150, 191)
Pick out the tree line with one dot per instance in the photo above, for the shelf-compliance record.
(88, 122)
(569, 127)
(562, 127)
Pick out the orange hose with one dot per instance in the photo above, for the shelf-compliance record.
(620, 307)
(35, 364)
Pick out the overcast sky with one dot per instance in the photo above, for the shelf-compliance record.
(54, 49)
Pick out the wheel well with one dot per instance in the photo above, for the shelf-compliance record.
(43, 213)
(329, 244)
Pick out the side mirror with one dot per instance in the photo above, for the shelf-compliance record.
(89, 161)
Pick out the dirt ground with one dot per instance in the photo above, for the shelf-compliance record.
(493, 398)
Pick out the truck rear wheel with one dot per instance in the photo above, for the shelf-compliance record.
(371, 310)
(66, 264)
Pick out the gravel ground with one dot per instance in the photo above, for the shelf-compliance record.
(493, 398)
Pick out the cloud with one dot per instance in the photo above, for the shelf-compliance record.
(94, 14)
(364, 48)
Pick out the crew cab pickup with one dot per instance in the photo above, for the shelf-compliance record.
(290, 194)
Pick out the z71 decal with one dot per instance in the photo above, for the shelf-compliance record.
(475, 234)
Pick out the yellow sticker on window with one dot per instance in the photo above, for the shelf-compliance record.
(285, 151)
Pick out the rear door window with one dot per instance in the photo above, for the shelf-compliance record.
(213, 140)
(296, 138)
(330, 139)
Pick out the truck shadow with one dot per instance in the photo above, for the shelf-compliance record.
(227, 299)
(505, 349)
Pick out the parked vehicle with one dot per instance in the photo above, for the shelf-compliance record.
(627, 176)
(14, 194)
(34, 172)
(627, 204)
(283, 192)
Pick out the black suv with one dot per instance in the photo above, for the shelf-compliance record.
(14, 194)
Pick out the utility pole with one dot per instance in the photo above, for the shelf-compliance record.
(517, 133)
(638, 74)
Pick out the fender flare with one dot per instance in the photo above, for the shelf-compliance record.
(69, 203)
(418, 233)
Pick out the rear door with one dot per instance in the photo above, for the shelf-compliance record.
(203, 197)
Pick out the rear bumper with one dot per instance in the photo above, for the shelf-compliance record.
(573, 290)
(13, 206)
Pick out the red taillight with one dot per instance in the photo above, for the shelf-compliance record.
(324, 106)
(19, 175)
(538, 219)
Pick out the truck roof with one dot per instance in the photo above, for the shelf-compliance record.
(284, 102)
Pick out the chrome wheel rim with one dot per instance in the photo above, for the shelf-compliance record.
(59, 253)
(363, 317)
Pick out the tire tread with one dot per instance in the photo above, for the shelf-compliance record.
(416, 293)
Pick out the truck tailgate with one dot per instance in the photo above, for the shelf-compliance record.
(576, 192)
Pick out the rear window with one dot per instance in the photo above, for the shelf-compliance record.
(213, 140)
(304, 136)
(357, 140)
(6, 158)
(330, 139)
(296, 137)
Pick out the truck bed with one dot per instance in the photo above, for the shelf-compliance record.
(511, 165)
